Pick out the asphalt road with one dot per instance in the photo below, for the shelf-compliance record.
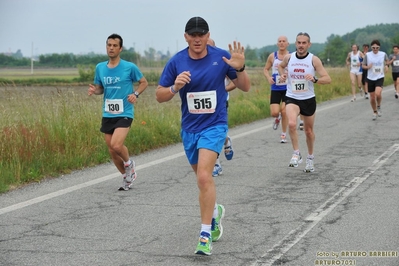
(345, 213)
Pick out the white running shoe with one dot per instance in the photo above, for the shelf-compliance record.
(295, 160)
(283, 138)
(379, 112)
(129, 177)
(124, 185)
(309, 166)
(374, 116)
(277, 122)
(130, 171)
(217, 170)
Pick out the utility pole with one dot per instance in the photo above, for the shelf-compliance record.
(31, 61)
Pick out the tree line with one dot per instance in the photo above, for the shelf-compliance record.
(333, 52)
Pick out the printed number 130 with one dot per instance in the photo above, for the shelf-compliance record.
(113, 107)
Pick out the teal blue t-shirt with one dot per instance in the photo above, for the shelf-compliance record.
(118, 84)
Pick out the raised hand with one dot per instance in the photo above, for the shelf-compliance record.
(237, 59)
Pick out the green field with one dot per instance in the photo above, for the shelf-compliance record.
(47, 130)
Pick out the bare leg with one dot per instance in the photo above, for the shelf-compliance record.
(118, 151)
(378, 95)
(274, 109)
(372, 101)
(359, 81)
(292, 112)
(284, 119)
(308, 123)
(206, 184)
(353, 80)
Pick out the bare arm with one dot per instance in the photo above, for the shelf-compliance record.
(164, 94)
(364, 63)
(242, 81)
(324, 77)
(231, 86)
(266, 69)
(95, 89)
(394, 57)
(143, 83)
(282, 66)
(348, 59)
(386, 63)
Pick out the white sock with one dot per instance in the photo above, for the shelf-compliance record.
(228, 143)
(217, 161)
(206, 228)
(128, 162)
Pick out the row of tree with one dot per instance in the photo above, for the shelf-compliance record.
(332, 53)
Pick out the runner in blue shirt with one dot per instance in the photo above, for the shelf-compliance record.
(197, 73)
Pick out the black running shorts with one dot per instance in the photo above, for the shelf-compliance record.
(108, 125)
(395, 75)
(372, 84)
(306, 107)
(364, 76)
(277, 97)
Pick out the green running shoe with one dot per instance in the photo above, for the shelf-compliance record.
(217, 228)
(204, 246)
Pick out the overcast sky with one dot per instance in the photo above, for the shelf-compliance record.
(82, 26)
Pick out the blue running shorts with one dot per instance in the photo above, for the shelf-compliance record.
(211, 138)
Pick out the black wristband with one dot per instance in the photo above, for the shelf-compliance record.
(241, 70)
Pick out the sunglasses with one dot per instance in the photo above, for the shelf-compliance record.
(375, 47)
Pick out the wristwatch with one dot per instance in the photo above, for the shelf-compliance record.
(315, 79)
(136, 93)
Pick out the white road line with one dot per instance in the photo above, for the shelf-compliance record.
(278, 250)
(83, 185)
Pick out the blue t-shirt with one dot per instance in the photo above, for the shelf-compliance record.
(208, 77)
(361, 61)
(118, 84)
